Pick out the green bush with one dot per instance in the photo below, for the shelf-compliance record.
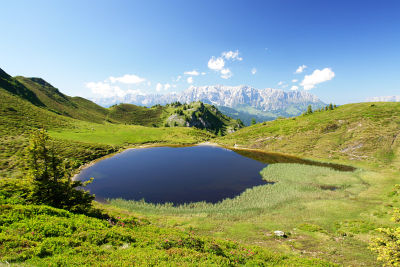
(14, 191)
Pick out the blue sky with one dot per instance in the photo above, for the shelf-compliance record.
(351, 48)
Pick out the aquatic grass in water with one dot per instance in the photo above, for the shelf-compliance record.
(294, 182)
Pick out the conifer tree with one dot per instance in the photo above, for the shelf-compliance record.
(51, 177)
(309, 109)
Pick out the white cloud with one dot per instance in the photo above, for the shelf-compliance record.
(253, 71)
(167, 86)
(178, 78)
(108, 87)
(318, 76)
(127, 78)
(301, 68)
(159, 87)
(192, 73)
(295, 81)
(280, 83)
(203, 73)
(226, 73)
(216, 63)
(189, 80)
(294, 87)
(105, 89)
(232, 55)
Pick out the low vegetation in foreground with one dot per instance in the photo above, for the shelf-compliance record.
(45, 236)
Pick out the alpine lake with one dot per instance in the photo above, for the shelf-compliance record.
(181, 175)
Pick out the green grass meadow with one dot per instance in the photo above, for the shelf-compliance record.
(118, 135)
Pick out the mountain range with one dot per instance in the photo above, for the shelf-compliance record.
(240, 102)
(392, 98)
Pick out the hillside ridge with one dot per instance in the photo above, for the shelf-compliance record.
(42, 94)
(357, 132)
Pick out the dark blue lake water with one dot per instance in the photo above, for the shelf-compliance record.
(173, 174)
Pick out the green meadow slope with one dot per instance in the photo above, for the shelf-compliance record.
(42, 94)
(362, 132)
(62, 104)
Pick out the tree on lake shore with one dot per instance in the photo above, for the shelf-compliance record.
(51, 177)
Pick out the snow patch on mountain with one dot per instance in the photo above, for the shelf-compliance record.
(393, 98)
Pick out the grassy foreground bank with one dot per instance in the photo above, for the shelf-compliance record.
(39, 235)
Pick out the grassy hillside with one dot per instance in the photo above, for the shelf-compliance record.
(202, 116)
(44, 95)
(62, 104)
(132, 114)
(357, 132)
(16, 88)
